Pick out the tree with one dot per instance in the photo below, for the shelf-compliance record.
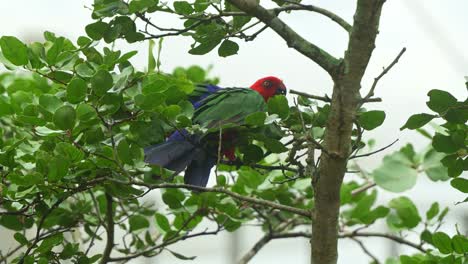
(74, 128)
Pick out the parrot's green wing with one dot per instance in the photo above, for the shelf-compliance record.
(228, 106)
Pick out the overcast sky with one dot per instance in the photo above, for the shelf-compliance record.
(433, 31)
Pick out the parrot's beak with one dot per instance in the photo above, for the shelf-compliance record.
(281, 91)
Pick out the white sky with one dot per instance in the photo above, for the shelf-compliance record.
(434, 32)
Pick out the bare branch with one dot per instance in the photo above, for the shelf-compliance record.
(363, 188)
(254, 250)
(383, 235)
(328, 99)
(374, 152)
(366, 250)
(334, 17)
(292, 38)
(385, 71)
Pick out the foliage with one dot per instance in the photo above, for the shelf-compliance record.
(451, 138)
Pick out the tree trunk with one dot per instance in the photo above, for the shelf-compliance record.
(345, 101)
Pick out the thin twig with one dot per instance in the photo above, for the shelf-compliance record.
(328, 99)
(363, 188)
(383, 235)
(366, 250)
(385, 71)
(374, 152)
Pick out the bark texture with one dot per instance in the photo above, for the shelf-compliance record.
(345, 101)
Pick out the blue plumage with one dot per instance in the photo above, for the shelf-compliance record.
(182, 150)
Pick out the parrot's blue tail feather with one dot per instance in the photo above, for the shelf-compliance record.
(176, 154)
(172, 155)
(198, 172)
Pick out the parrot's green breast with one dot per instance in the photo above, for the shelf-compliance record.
(228, 106)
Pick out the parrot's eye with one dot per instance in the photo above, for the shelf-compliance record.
(266, 84)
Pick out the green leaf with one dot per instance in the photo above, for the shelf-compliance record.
(96, 30)
(101, 82)
(54, 51)
(371, 119)
(440, 101)
(12, 222)
(406, 211)
(127, 56)
(396, 173)
(151, 59)
(21, 238)
(84, 70)
(205, 47)
(417, 121)
(137, 222)
(196, 74)
(14, 50)
(50, 102)
(443, 143)
(255, 119)
(5, 108)
(171, 112)
(228, 48)
(183, 7)
(68, 151)
(124, 152)
(460, 244)
(460, 184)
(433, 211)
(162, 223)
(278, 105)
(76, 90)
(363, 206)
(64, 117)
(173, 198)
(140, 5)
(274, 145)
(57, 169)
(457, 114)
(85, 112)
(442, 242)
(252, 153)
(433, 167)
(50, 242)
(180, 256)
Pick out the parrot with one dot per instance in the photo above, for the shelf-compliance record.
(215, 109)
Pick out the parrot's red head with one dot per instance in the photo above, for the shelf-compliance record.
(269, 87)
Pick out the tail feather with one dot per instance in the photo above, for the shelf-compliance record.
(198, 172)
(170, 154)
(176, 155)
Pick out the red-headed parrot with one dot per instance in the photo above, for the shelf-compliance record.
(215, 107)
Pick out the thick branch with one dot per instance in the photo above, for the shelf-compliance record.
(334, 17)
(292, 38)
(110, 230)
(234, 195)
(254, 250)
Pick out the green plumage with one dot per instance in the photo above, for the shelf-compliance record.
(228, 106)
